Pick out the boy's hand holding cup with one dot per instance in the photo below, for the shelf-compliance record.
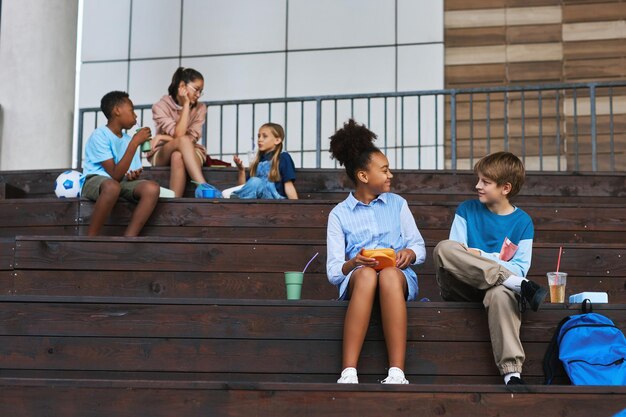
(142, 138)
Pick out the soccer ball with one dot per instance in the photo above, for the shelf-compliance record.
(67, 184)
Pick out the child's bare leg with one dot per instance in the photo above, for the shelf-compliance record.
(363, 283)
(392, 289)
(187, 149)
(109, 193)
(193, 165)
(178, 175)
(147, 192)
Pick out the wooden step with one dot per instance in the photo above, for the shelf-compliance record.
(232, 268)
(240, 337)
(559, 223)
(30, 396)
(38, 183)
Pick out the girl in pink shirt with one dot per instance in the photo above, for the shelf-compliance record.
(178, 119)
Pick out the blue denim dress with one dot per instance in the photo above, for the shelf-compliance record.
(259, 186)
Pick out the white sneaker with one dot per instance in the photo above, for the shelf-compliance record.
(395, 376)
(348, 376)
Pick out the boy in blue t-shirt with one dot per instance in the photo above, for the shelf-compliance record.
(488, 256)
(112, 166)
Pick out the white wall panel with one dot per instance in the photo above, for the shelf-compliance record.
(149, 79)
(341, 71)
(340, 23)
(233, 26)
(241, 76)
(420, 21)
(105, 29)
(420, 67)
(98, 79)
(155, 30)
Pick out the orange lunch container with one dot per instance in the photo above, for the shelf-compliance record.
(386, 257)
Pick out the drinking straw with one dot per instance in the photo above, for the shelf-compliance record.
(558, 263)
(311, 260)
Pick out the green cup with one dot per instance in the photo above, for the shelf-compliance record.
(293, 283)
(146, 146)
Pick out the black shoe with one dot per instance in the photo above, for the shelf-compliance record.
(514, 380)
(533, 294)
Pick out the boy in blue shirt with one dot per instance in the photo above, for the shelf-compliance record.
(488, 256)
(112, 166)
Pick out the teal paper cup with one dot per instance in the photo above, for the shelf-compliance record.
(293, 284)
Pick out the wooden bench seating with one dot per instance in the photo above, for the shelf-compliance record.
(558, 223)
(108, 394)
(424, 185)
(190, 319)
(271, 358)
(286, 339)
(240, 268)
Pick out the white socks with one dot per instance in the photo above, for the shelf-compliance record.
(514, 283)
(509, 376)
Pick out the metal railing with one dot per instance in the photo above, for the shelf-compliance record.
(552, 127)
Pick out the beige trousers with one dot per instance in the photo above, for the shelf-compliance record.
(464, 276)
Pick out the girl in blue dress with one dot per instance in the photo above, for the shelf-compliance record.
(272, 173)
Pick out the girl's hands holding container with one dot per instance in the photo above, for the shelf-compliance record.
(358, 260)
(404, 258)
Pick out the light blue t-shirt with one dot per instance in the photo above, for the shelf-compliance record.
(103, 145)
(386, 222)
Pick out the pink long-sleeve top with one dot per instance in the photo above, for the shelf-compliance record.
(166, 114)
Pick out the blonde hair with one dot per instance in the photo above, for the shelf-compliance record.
(503, 167)
(278, 132)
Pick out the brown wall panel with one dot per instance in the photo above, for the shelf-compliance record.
(472, 4)
(533, 33)
(596, 11)
(470, 75)
(495, 35)
(606, 48)
(534, 72)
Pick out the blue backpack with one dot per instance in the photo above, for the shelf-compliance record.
(590, 349)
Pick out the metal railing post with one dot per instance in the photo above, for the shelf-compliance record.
(79, 139)
(318, 132)
(592, 103)
(453, 128)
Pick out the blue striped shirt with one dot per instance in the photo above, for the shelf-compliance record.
(386, 222)
(477, 227)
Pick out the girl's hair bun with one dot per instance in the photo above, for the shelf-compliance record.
(352, 146)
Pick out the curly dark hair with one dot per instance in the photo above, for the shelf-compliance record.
(352, 146)
(110, 100)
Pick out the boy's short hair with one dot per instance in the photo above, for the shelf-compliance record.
(110, 100)
(503, 167)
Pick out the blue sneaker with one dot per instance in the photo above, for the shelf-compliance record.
(206, 190)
